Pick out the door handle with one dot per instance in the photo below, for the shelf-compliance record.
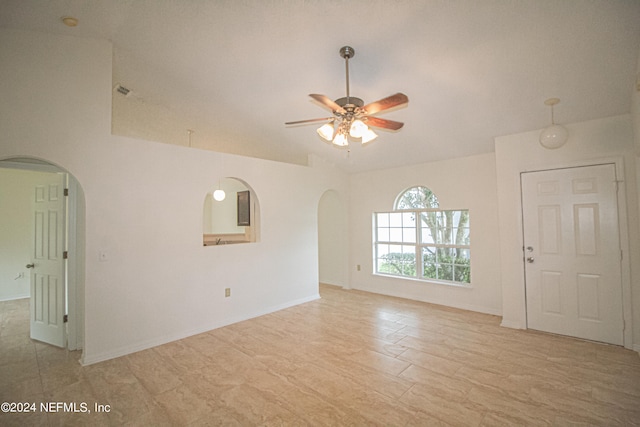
(530, 260)
(30, 265)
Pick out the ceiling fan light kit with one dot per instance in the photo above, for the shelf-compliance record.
(554, 136)
(351, 118)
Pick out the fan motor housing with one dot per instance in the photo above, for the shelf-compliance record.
(348, 101)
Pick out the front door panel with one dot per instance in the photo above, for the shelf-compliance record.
(572, 252)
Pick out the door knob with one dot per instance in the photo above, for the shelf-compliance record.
(530, 260)
(31, 265)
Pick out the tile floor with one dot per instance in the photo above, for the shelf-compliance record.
(349, 359)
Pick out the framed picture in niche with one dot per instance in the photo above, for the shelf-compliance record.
(244, 208)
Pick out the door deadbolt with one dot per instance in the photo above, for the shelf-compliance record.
(30, 265)
(529, 248)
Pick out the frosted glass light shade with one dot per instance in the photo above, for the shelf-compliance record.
(358, 128)
(368, 136)
(341, 140)
(219, 195)
(326, 131)
(554, 136)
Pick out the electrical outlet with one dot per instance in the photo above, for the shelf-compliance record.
(358, 267)
(227, 292)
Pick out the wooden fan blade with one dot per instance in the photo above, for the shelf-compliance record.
(331, 105)
(383, 123)
(384, 104)
(299, 122)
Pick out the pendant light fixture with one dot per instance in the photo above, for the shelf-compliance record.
(554, 136)
(219, 194)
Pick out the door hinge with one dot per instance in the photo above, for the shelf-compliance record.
(65, 255)
(65, 318)
(66, 191)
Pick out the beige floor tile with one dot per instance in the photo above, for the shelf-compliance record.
(349, 359)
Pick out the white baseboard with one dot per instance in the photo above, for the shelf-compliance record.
(14, 298)
(467, 307)
(511, 324)
(144, 345)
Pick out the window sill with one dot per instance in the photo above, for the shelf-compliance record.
(430, 281)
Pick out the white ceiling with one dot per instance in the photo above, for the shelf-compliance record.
(473, 70)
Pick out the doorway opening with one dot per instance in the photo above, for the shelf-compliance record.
(332, 243)
(34, 242)
(231, 214)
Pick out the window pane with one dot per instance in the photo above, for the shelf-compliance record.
(461, 236)
(429, 262)
(395, 235)
(428, 227)
(383, 220)
(409, 261)
(463, 256)
(445, 272)
(383, 234)
(444, 236)
(445, 255)
(462, 274)
(400, 260)
(409, 235)
(426, 236)
(409, 219)
(382, 250)
(395, 220)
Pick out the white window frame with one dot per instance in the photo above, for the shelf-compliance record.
(414, 241)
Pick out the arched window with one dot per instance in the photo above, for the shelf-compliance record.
(421, 241)
(417, 198)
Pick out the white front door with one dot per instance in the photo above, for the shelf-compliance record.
(572, 252)
(48, 264)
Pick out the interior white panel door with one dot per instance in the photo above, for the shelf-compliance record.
(47, 264)
(572, 252)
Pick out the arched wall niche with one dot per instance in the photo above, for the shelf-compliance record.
(233, 220)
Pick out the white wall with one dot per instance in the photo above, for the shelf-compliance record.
(16, 194)
(465, 183)
(144, 205)
(589, 142)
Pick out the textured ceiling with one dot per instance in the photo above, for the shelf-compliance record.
(235, 70)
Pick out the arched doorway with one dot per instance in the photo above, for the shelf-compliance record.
(333, 252)
(19, 186)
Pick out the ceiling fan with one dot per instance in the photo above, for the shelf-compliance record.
(351, 118)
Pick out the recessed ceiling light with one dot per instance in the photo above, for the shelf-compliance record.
(69, 21)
